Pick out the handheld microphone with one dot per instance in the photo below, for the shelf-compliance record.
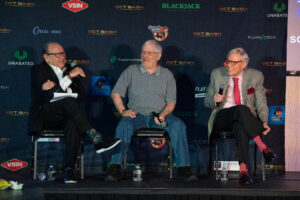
(162, 123)
(220, 92)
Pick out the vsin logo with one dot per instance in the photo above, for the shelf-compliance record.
(14, 164)
(75, 5)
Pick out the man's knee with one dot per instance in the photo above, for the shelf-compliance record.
(242, 109)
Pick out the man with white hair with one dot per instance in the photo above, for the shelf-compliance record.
(240, 108)
(150, 88)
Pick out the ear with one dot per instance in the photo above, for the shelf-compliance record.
(158, 56)
(244, 65)
(45, 57)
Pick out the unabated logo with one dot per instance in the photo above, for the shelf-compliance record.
(279, 9)
(75, 5)
(14, 164)
(21, 57)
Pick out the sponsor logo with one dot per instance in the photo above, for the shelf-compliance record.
(278, 8)
(129, 7)
(75, 5)
(160, 33)
(102, 32)
(261, 37)
(19, 4)
(114, 59)
(4, 87)
(181, 6)
(78, 62)
(37, 30)
(233, 9)
(21, 55)
(268, 91)
(276, 115)
(4, 139)
(200, 91)
(5, 30)
(157, 143)
(207, 34)
(16, 113)
(295, 39)
(14, 164)
(179, 63)
(273, 64)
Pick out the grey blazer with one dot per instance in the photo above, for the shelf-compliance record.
(253, 93)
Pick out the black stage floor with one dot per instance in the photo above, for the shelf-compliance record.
(156, 186)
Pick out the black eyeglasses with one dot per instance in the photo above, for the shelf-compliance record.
(228, 62)
(57, 55)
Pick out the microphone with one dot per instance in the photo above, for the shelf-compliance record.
(220, 92)
(162, 123)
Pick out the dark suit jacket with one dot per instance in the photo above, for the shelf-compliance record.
(40, 73)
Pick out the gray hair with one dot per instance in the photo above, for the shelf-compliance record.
(158, 47)
(46, 46)
(241, 52)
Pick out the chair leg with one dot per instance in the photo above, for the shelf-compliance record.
(170, 159)
(263, 168)
(216, 162)
(82, 161)
(35, 158)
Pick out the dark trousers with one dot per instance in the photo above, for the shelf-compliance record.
(67, 115)
(243, 124)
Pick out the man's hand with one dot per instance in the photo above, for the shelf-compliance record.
(77, 71)
(218, 97)
(161, 117)
(268, 129)
(48, 85)
(129, 113)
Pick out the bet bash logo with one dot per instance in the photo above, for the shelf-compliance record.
(75, 5)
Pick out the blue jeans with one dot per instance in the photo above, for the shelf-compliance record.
(176, 129)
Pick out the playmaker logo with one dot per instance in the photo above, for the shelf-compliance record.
(75, 5)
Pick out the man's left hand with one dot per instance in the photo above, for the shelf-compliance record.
(161, 117)
(268, 129)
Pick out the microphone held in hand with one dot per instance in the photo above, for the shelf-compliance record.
(220, 92)
(162, 123)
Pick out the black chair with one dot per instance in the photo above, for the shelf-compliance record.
(155, 133)
(53, 134)
(229, 135)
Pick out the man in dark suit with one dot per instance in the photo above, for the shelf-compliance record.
(53, 76)
(240, 108)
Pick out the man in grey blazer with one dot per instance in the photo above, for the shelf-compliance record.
(237, 97)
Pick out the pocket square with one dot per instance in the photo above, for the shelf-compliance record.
(250, 91)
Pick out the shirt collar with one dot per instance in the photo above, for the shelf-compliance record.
(157, 72)
(57, 69)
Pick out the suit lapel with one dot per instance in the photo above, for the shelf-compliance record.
(245, 84)
(51, 73)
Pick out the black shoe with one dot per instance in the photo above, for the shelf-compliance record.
(269, 156)
(114, 173)
(106, 144)
(185, 174)
(245, 180)
(69, 176)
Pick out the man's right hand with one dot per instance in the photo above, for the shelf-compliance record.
(129, 113)
(77, 71)
(218, 97)
(48, 85)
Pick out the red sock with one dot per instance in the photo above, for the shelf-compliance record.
(243, 169)
(262, 147)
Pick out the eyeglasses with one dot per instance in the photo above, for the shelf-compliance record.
(58, 55)
(228, 62)
(149, 52)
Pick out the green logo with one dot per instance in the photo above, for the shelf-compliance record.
(277, 9)
(113, 59)
(21, 57)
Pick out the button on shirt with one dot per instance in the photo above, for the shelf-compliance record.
(230, 98)
(64, 82)
(146, 92)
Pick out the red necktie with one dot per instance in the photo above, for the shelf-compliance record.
(236, 92)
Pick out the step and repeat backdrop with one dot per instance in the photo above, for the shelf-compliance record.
(105, 37)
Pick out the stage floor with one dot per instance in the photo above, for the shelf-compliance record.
(156, 186)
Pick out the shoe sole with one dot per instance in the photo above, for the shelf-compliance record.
(108, 148)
